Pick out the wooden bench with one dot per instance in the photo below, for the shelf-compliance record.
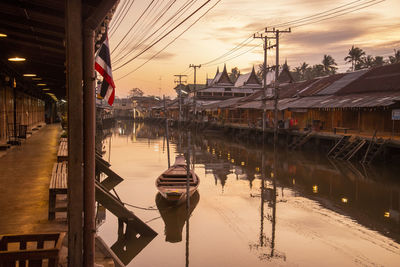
(31, 249)
(335, 129)
(58, 185)
(62, 154)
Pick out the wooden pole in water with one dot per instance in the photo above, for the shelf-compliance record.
(166, 131)
(187, 199)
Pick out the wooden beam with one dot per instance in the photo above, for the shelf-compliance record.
(27, 32)
(54, 17)
(35, 45)
(30, 37)
(4, 17)
(51, 32)
(75, 131)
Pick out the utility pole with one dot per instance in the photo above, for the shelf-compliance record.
(265, 39)
(159, 88)
(179, 82)
(277, 32)
(195, 89)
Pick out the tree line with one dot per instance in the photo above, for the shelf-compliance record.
(328, 66)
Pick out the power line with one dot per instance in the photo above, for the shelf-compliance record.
(114, 28)
(186, 6)
(143, 24)
(140, 42)
(123, 38)
(236, 56)
(165, 35)
(284, 24)
(339, 15)
(170, 42)
(242, 44)
(118, 15)
(316, 16)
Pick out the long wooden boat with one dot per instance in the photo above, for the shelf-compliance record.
(172, 183)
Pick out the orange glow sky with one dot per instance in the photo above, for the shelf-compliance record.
(375, 29)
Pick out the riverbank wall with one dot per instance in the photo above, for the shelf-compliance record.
(319, 141)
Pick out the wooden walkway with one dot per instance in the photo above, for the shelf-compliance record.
(24, 184)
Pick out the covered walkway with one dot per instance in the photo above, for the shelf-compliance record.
(24, 184)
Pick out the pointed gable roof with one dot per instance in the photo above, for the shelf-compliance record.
(285, 76)
(253, 79)
(224, 78)
(221, 78)
(248, 79)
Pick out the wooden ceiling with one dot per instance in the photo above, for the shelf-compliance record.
(36, 31)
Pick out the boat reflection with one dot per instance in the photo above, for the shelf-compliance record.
(174, 217)
(369, 195)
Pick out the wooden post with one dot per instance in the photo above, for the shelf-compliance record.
(89, 228)
(75, 130)
(90, 25)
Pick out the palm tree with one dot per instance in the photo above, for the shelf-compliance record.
(329, 64)
(378, 61)
(235, 72)
(297, 74)
(368, 61)
(354, 56)
(317, 70)
(395, 58)
(303, 68)
(261, 70)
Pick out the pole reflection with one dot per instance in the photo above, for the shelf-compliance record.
(367, 195)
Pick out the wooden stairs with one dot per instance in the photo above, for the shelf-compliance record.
(299, 142)
(339, 145)
(349, 149)
(375, 147)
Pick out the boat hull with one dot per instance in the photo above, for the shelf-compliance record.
(173, 183)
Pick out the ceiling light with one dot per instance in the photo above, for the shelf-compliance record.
(29, 75)
(41, 84)
(46, 89)
(2, 35)
(16, 59)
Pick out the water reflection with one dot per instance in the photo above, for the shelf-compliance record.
(174, 217)
(370, 195)
(314, 208)
(130, 242)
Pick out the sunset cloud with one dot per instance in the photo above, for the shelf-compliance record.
(374, 29)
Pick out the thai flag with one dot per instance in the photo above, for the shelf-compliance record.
(103, 66)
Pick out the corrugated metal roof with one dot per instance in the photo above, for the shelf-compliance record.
(320, 84)
(292, 89)
(341, 83)
(242, 79)
(222, 89)
(269, 104)
(385, 78)
(222, 104)
(381, 99)
(257, 104)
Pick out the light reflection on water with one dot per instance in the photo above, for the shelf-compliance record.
(317, 212)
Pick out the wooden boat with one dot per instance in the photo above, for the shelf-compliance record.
(172, 183)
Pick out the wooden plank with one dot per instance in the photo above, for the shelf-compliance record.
(105, 169)
(111, 203)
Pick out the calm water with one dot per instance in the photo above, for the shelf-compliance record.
(315, 212)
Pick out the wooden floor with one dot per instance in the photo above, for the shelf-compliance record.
(25, 173)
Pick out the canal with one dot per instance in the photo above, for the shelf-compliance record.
(313, 211)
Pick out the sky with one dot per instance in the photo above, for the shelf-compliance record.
(375, 29)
